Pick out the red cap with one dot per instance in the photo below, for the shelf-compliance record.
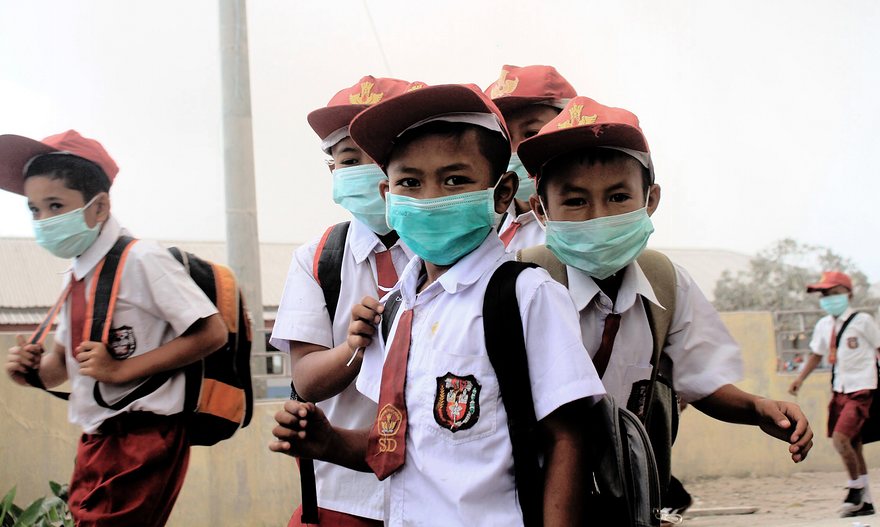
(346, 104)
(16, 151)
(517, 87)
(831, 279)
(584, 123)
(376, 129)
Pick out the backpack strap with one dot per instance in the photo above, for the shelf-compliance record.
(327, 264)
(392, 306)
(501, 222)
(660, 273)
(542, 256)
(39, 336)
(505, 345)
(837, 344)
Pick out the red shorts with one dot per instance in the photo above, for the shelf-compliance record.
(848, 412)
(328, 518)
(130, 472)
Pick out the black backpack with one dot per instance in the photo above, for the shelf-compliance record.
(623, 483)
(219, 396)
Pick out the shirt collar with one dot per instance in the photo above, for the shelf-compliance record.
(363, 242)
(583, 288)
(462, 274)
(84, 263)
(522, 219)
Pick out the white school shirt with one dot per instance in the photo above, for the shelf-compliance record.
(704, 355)
(157, 301)
(530, 233)
(302, 316)
(466, 477)
(856, 366)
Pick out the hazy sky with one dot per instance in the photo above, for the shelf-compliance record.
(763, 117)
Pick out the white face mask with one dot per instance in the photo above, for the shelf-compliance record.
(67, 235)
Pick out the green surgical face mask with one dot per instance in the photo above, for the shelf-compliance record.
(602, 246)
(526, 184)
(442, 230)
(834, 305)
(66, 235)
(356, 189)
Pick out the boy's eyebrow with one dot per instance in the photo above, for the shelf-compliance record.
(347, 149)
(454, 167)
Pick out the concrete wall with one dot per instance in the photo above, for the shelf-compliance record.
(239, 482)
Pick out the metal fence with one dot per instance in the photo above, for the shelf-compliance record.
(794, 329)
(270, 370)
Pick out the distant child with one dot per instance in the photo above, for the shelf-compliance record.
(529, 97)
(850, 341)
(132, 458)
(595, 193)
(441, 433)
(312, 327)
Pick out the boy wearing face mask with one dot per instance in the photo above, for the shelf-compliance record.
(130, 461)
(323, 366)
(440, 439)
(849, 340)
(595, 193)
(528, 97)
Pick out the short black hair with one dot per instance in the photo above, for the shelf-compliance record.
(494, 146)
(77, 173)
(589, 157)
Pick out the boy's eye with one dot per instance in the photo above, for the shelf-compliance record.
(350, 162)
(456, 180)
(575, 202)
(530, 133)
(408, 182)
(619, 198)
(55, 206)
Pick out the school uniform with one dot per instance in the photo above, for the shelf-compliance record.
(458, 467)
(131, 461)
(520, 231)
(703, 353)
(302, 316)
(854, 373)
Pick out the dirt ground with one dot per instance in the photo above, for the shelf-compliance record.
(803, 499)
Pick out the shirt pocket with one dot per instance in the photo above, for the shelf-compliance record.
(465, 398)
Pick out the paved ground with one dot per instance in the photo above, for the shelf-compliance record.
(808, 499)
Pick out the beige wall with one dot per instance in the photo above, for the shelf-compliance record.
(239, 482)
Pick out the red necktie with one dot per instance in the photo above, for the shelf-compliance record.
(77, 313)
(600, 360)
(386, 445)
(508, 234)
(386, 274)
(832, 355)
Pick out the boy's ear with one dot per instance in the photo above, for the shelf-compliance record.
(537, 208)
(653, 198)
(505, 190)
(102, 207)
(383, 188)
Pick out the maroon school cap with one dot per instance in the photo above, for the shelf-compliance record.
(517, 87)
(17, 151)
(831, 279)
(377, 128)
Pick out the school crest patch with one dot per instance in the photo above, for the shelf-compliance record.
(457, 402)
(122, 342)
(852, 342)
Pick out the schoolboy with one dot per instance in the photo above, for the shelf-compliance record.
(849, 340)
(595, 193)
(528, 97)
(131, 461)
(441, 431)
(323, 367)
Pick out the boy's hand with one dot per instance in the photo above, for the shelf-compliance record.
(776, 417)
(303, 430)
(795, 386)
(96, 362)
(22, 359)
(364, 318)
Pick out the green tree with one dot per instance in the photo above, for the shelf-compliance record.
(778, 276)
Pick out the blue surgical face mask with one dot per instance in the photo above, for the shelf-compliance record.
(602, 246)
(526, 184)
(834, 305)
(357, 190)
(66, 235)
(443, 230)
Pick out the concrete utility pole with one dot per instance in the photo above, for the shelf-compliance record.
(242, 238)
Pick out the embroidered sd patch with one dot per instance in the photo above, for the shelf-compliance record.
(852, 342)
(388, 423)
(122, 342)
(457, 402)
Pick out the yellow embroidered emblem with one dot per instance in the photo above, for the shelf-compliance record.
(388, 423)
(366, 95)
(576, 119)
(503, 86)
(416, 86)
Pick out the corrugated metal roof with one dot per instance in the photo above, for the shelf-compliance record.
(31, 277)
